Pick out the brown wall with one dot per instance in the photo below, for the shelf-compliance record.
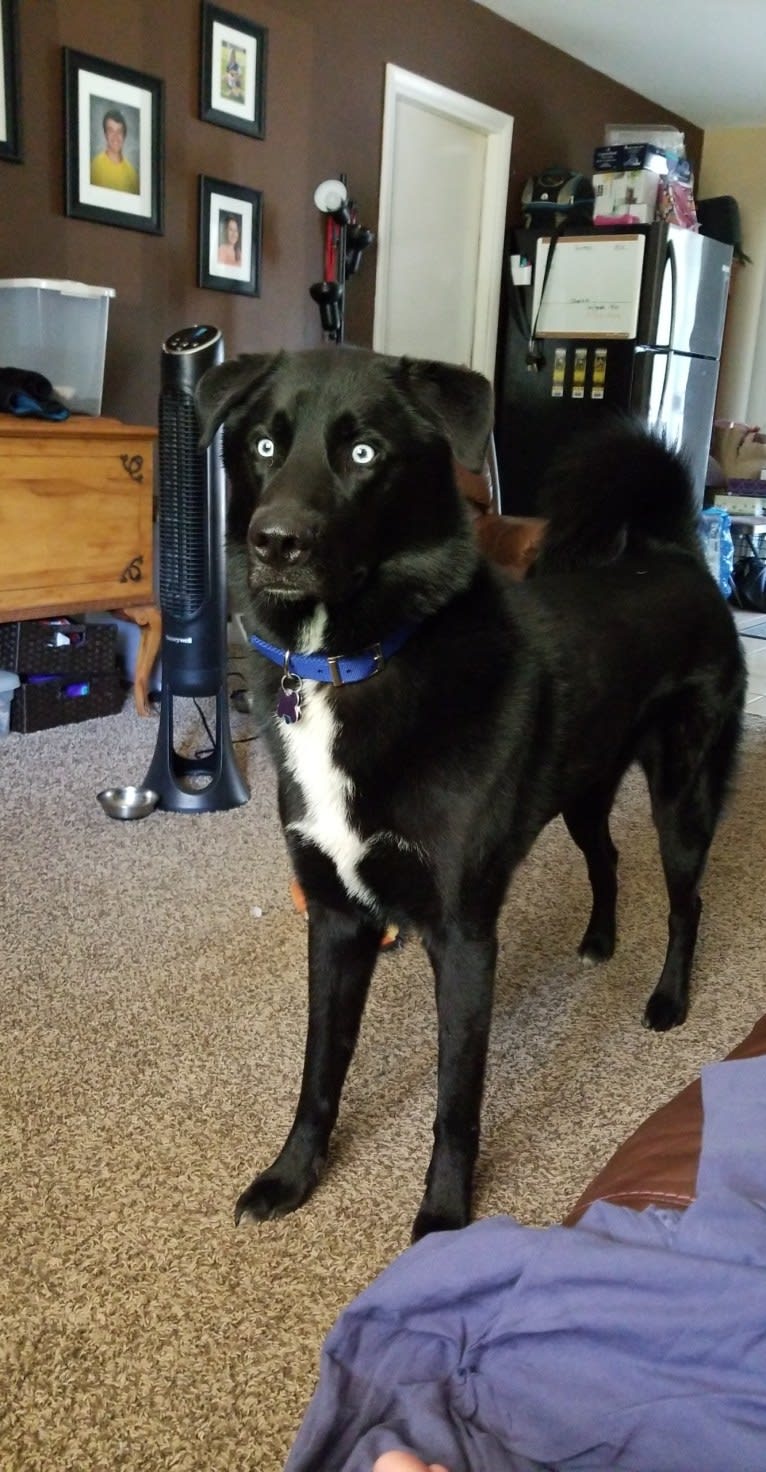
(323, 116)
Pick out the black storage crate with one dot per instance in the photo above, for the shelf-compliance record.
(62, 700)
(27, 648)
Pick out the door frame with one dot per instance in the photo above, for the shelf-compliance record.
(498, 130)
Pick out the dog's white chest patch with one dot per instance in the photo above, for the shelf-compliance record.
(327, 790)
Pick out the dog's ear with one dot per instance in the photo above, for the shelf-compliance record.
(460, 400)
(224, 387)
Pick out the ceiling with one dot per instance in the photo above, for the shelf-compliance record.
(704, 59)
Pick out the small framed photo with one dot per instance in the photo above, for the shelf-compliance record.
(115, 143)
(233, 71)
(230, 233)
(10, 85)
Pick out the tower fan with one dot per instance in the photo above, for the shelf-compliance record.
(192, 513)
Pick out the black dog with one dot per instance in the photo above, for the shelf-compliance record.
(429, 717)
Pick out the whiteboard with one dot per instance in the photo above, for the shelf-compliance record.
(593, 286)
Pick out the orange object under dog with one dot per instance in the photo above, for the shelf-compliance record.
(390, 936)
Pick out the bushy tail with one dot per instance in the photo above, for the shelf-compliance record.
(612, 492)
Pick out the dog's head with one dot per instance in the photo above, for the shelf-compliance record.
(340, 463)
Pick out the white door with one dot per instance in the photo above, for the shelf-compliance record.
(443, 189)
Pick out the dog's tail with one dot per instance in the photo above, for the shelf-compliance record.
(612, 492)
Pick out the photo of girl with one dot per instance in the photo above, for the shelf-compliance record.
(230, 240)
(230, 237)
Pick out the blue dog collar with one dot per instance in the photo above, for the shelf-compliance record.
(335, 669)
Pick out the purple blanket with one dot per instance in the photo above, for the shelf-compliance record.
(635, 1340)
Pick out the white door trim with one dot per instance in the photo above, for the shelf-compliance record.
(498, 130)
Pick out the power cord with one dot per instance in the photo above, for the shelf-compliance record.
(241, 691)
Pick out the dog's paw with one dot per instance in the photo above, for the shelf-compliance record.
(437, 1221)
(271, 1195)
(595, 947)
(663, 1012)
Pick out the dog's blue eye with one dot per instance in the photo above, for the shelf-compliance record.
(265, 448)
(363, 454)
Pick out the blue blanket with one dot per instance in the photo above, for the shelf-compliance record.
(635, 1340)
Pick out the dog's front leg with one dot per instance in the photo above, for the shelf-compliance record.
(343, 949)
(464, 967)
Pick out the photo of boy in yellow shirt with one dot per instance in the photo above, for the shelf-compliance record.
(110, 169)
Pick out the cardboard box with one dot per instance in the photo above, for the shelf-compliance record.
(619, 157)
(629, 196)
(748, 503)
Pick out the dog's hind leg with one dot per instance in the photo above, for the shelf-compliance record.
(687, 791)
(588, 823)
(343, 949)
(464, 967)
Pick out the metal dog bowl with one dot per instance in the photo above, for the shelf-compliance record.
(128, 802)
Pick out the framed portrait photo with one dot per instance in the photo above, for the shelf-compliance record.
(115, 143)
(10, 84)
(230, 232)
(233, 71)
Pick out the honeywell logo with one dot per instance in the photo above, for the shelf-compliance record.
(176, 639)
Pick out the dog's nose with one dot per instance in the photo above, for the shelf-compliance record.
(277, 543)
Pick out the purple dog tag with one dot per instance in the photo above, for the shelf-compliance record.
(289, 706)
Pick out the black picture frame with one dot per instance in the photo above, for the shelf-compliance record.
(10, 83)
(233, 71)
(220, 203)
(98, 188)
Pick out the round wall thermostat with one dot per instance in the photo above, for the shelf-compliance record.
(330, 195)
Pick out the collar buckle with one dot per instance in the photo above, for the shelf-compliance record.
(334, 660)
(377, 658)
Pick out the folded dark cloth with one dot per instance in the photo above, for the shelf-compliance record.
(24, 392)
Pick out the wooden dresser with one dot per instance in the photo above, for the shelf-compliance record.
(76, 524)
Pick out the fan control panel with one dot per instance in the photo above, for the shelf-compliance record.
(191, 339)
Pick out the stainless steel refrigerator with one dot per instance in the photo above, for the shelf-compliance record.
(625, 320)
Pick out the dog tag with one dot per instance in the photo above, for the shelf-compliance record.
(289, 703)
(289, 707)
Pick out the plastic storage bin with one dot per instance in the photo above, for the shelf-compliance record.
(57, 328)
(8, 683)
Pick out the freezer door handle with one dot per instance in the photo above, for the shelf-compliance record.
(666, 327)
(672, 266)
(665, 335)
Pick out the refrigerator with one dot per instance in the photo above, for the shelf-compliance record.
(624, 319)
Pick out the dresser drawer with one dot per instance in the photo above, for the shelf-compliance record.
(75, 517)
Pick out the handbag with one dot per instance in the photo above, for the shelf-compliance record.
(749, 580)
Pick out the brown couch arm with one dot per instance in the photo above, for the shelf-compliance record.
(657, 1165)
(510, 541)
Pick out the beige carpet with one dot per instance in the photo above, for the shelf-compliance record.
(152, 1035)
